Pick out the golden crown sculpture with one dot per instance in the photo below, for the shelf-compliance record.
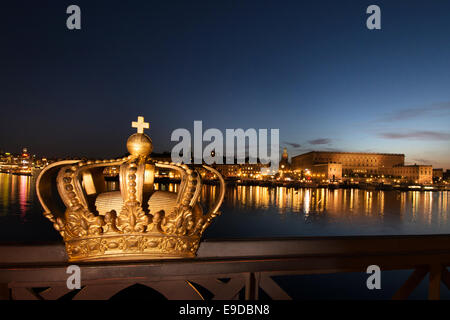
(134, 223)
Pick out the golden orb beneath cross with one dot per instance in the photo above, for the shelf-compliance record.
(139, 144)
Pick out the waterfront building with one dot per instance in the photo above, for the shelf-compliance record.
(420, 174)
(24, 158)
(352, 162)
(254, 170)
(242, 171)
(326, 171)
(438, 174)
(319, 163)
(228, 170)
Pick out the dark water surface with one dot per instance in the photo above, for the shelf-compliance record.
(256, 212)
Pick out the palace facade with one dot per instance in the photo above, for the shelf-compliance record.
(352, 162)
(335, 165)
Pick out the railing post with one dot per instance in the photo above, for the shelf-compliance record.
(4, 292)
(435, 282)
(251, 286)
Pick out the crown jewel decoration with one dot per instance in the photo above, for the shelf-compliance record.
(137, 222)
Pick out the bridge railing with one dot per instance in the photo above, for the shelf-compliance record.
(229, 269)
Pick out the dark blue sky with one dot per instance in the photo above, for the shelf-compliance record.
(310, 68)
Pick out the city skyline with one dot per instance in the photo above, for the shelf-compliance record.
(165, 154)
(313, 70)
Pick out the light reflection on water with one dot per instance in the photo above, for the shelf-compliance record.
(17, 195)
(253, 211)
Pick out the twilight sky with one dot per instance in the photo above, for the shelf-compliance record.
(310, 68)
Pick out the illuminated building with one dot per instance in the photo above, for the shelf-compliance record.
(352, 162)
(284, 163)
(421, 174)
(25, 157)
(284, 168)
(245, 170)
(326, 171)
(356, 163)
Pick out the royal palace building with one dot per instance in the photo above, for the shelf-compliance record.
(352, 162)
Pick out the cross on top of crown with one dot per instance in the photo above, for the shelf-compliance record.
(140, 125)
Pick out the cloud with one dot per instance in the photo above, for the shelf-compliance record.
(293, 144)
(320, 141)
(435, 109)
(418, 135)
(426, 161)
